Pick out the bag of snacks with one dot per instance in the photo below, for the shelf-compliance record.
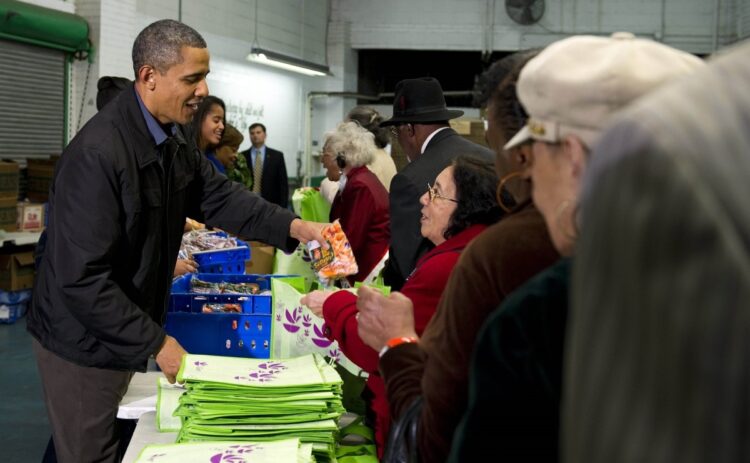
(334, 263)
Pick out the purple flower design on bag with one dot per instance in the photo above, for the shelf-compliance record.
(335, 354)
(292, 317)
(235, 454)
(320, 340)
(263, 375)
(272, 366)
(306, 320)
(199, 365)
(278, 317)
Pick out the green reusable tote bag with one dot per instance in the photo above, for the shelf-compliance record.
(310, 205)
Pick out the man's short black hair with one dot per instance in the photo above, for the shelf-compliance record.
(257, 124)
(160, 44)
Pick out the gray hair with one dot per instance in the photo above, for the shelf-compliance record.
(160, 44)
(354, 143)
(370, 119)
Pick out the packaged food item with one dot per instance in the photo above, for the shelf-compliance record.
(221, 308)
(204, 240)
(205, 287)
(334, 263)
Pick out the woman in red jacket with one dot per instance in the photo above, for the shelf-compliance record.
(361, 203)
(458, 207)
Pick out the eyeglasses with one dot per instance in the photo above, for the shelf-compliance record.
(432, 194)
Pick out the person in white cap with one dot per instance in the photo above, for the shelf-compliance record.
(570, 91)
(657, 365)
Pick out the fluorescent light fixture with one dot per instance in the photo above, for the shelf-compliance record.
(289, 63)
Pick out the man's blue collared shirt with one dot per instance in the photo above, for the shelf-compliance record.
(254, 152)
(156, 130)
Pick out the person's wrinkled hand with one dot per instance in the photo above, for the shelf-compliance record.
(184, 266)
(169, 358)
(305, 231)
(382, 318)
(314, 300)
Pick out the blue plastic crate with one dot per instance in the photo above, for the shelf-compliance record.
(225, 261)
(246, 334)
(183, 300)
(228, 334)
(9, 313)
(14, 297)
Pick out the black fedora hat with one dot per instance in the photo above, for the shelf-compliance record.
(420, 100)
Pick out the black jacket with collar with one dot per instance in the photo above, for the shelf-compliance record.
(116, 219)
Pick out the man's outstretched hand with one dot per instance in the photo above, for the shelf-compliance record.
(169, 358)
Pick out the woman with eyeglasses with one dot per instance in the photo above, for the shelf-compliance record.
(496, 263)
(457, 207)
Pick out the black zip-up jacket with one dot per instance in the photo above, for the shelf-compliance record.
(116, 219)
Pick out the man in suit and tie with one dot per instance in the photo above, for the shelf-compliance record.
(267, 167)
(420, 123)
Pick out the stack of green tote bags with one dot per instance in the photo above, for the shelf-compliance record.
(259, 400)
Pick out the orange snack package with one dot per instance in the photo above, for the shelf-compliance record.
(336, 262)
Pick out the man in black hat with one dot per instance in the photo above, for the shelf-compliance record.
(420, 123)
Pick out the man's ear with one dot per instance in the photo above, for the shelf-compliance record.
(146, 75)
(576, 153)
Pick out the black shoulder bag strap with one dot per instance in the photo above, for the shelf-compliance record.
(402, 439)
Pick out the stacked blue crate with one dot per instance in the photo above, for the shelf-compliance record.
(225, 261)
(244, 334)
(13, 305)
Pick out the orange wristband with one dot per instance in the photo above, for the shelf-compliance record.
(393, 342)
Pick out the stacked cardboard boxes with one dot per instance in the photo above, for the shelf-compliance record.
(8, 195)
(40, 173)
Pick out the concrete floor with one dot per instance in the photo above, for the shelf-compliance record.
(24, 429)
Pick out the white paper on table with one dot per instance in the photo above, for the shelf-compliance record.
(134, 410)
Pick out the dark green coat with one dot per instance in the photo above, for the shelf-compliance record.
(514, 389)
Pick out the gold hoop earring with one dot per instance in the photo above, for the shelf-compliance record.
(501, 186)
(559, 212)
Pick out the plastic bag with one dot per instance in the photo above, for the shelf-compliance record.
(338, 261)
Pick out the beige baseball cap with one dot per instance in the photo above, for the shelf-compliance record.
(576, 84)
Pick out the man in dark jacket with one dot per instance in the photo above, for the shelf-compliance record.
(420, 123)
(118, 203)
(269, 178)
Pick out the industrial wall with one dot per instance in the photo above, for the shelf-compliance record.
(330, 31)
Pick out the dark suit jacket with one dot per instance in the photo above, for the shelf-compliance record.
(274, 185)
(407, 243)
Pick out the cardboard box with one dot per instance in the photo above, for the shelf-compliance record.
(30, 216)
(8, 180)
(17, 271)
(471, 129)
(8, 214)
(40, 172)
(261, 259)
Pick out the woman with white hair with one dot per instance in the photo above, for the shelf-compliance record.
(361, 203)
